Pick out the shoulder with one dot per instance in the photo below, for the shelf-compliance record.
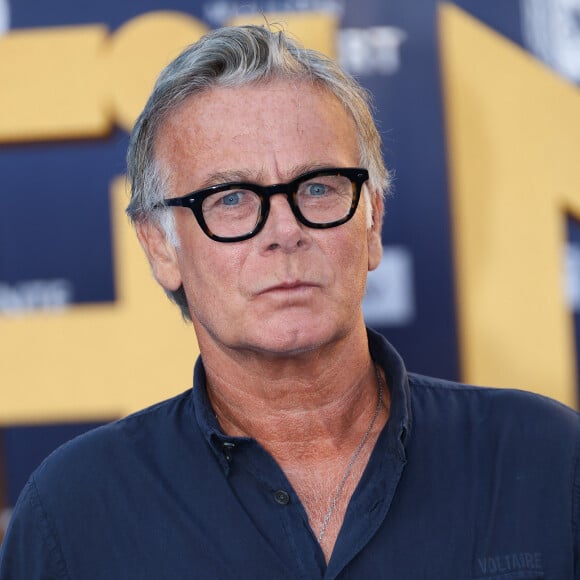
(495, 411)
(91, 458)
(145, 422)
(422, 386)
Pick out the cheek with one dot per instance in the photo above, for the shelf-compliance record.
(348, 258)
(209, 269)
(356, 243)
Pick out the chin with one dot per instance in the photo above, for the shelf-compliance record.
(295, 339)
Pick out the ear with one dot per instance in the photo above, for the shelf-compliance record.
(374, 233)
(161, 254)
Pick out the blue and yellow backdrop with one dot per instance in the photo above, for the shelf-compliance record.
(479, 107)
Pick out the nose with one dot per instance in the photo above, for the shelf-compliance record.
(282, 231)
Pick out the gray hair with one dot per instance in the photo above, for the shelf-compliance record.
(233, 57)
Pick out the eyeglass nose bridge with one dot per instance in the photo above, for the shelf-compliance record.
(267, 192)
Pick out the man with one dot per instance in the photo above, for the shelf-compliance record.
(304, 450)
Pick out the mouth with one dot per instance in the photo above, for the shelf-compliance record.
(290, 288)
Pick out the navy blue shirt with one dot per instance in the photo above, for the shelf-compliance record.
(463, 482)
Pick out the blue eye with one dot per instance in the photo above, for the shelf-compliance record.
(317, 189)
(233, 198)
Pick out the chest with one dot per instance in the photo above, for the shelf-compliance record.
(406, 528)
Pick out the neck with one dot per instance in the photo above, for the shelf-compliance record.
(316, 400)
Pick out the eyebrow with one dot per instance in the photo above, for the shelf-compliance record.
(246, 176)
(226, 177)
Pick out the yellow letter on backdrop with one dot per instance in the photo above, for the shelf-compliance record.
(514, 143)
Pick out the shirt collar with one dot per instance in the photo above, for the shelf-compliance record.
(400, 415)
(221, 444)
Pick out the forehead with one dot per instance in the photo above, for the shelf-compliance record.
(262, 129)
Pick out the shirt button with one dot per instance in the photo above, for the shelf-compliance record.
(228, 447)
(282, 497)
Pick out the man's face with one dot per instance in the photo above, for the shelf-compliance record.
(290, 288)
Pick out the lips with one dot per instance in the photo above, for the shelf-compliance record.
(288, 287)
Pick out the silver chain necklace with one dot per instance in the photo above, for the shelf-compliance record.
(353, 459)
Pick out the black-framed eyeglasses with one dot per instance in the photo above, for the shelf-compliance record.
(236, 211)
